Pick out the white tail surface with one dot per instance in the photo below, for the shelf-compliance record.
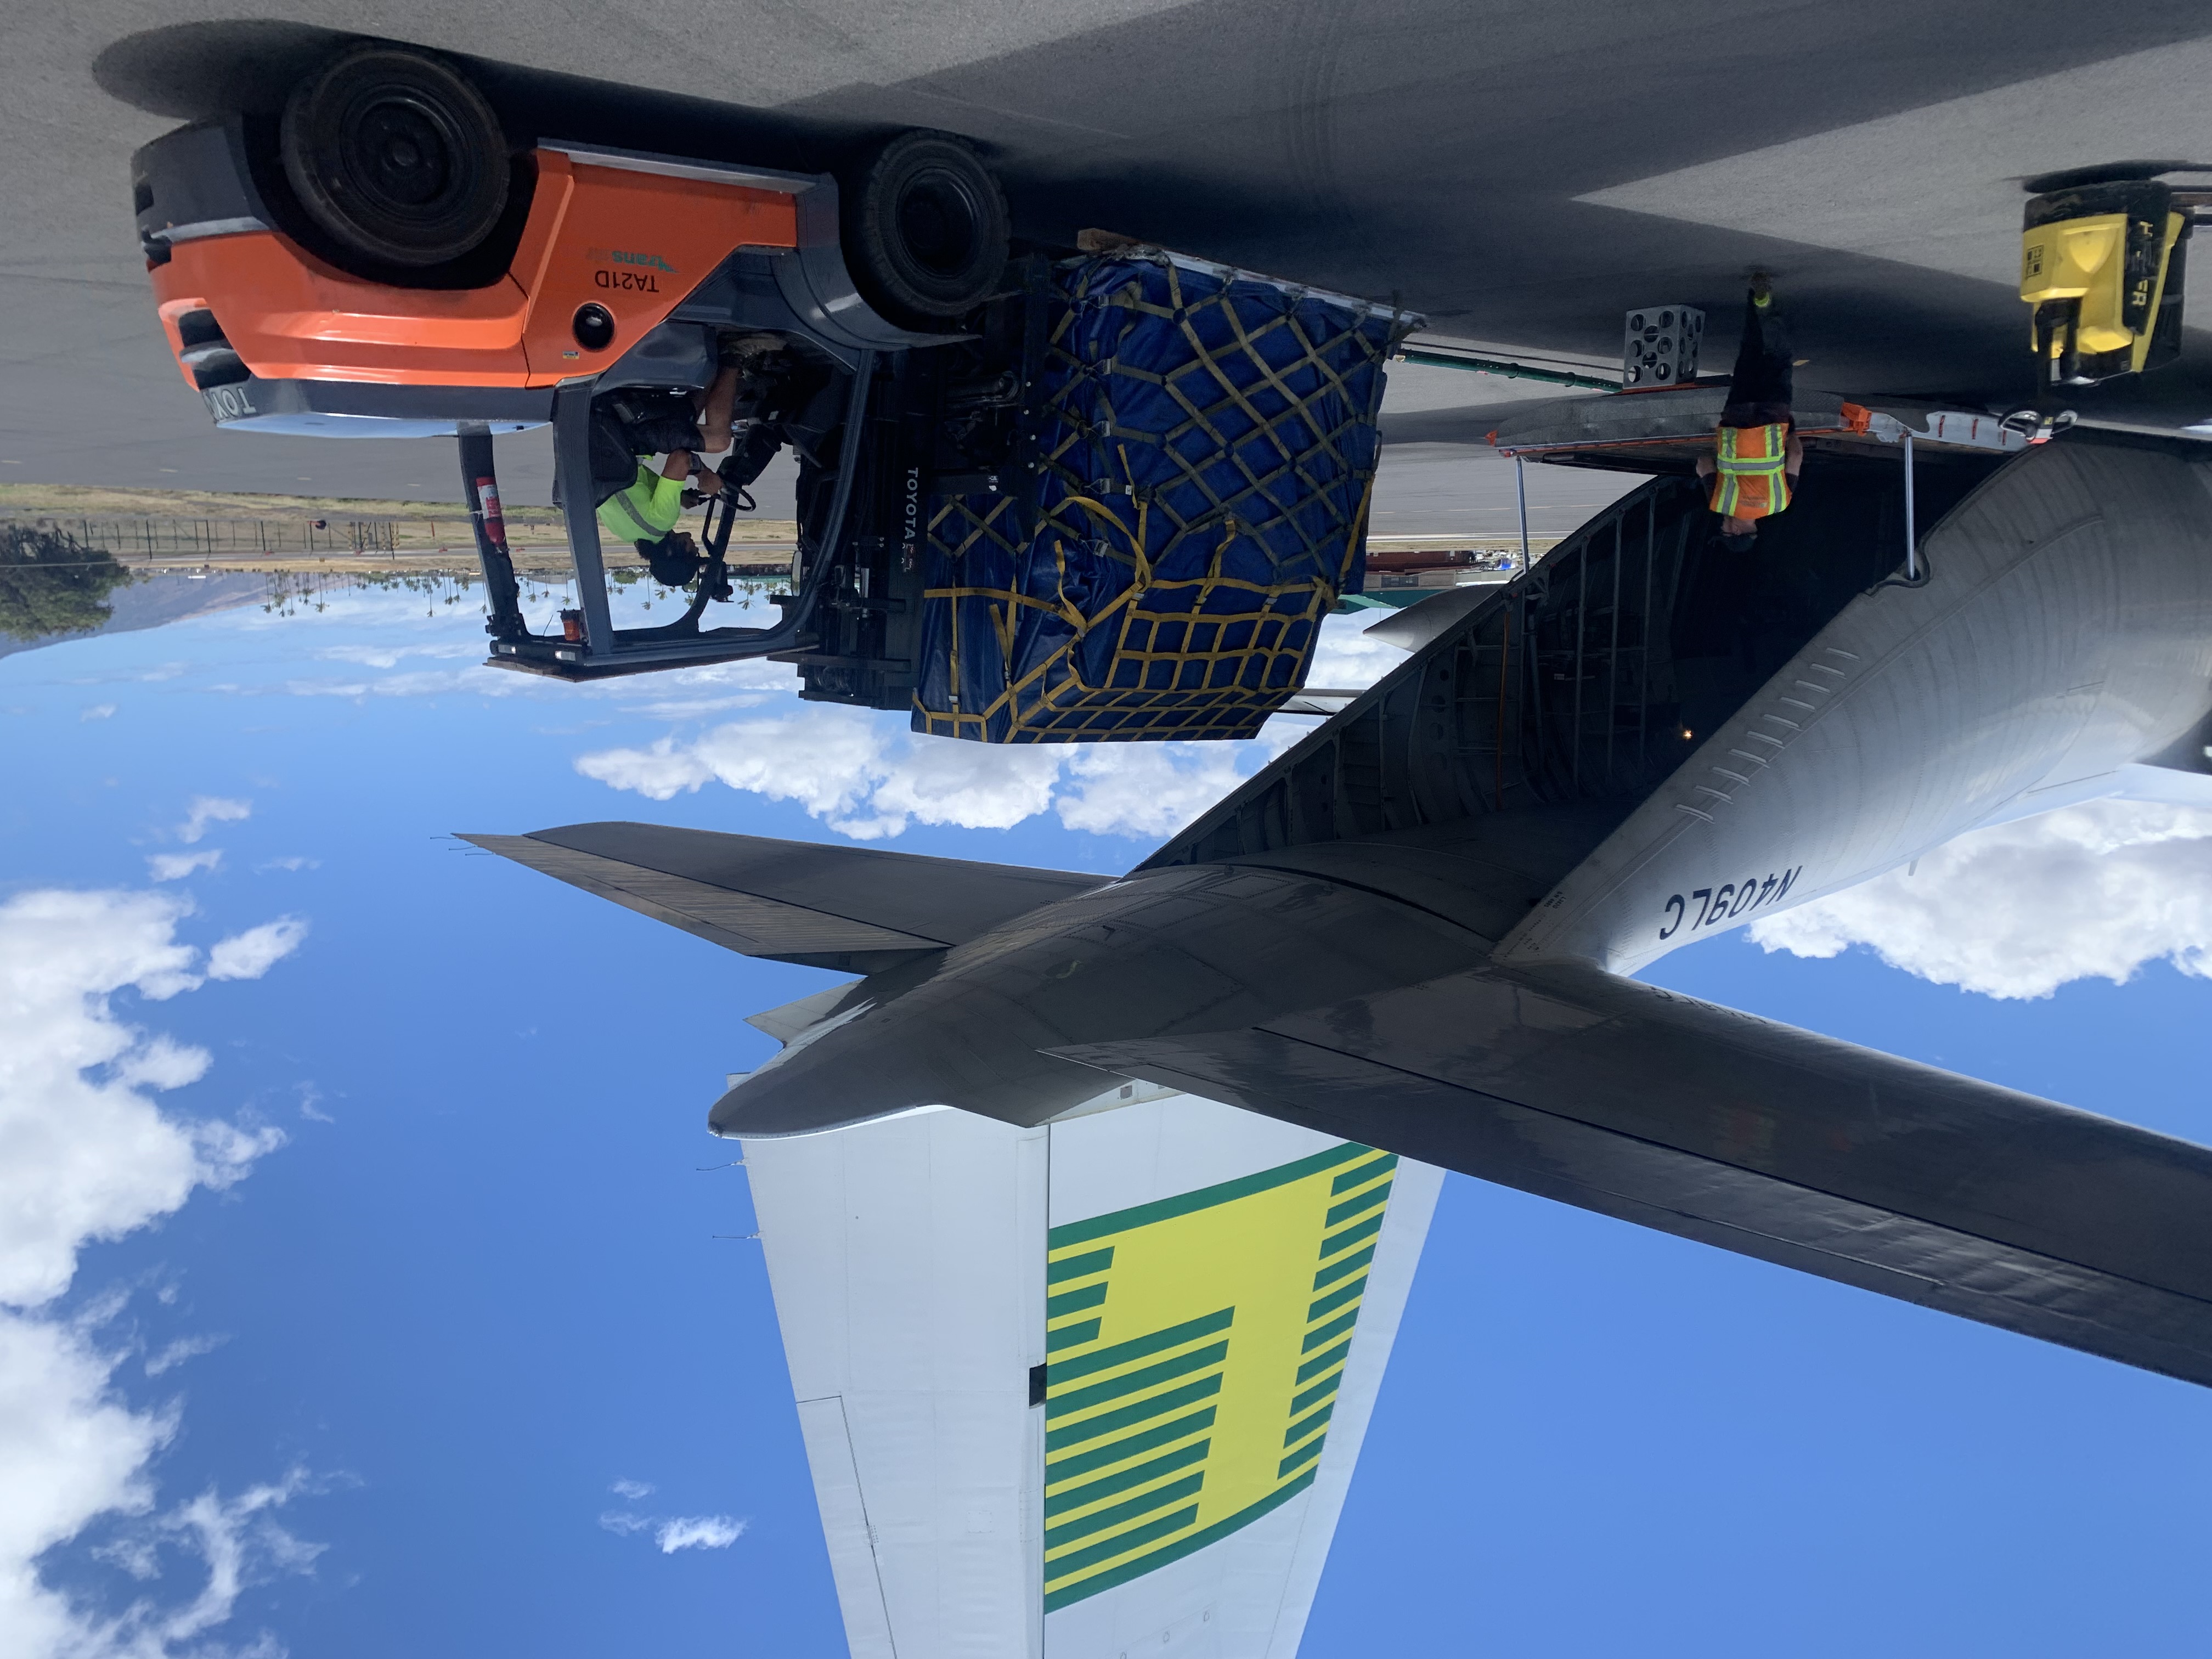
(1213, 1296)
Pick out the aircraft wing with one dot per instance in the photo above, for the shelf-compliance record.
(1770, 1141)
(1088, 1390)
(850, 909)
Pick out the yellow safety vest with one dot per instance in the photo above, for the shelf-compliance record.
(1751, 478)
(645, 512)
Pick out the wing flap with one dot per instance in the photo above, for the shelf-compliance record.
(786, 1021)
(1772, 1142)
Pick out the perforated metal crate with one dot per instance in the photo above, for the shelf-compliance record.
(1659, 345)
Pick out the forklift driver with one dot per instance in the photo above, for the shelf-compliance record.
(763, 395)
(646, 512)
(1757, 454)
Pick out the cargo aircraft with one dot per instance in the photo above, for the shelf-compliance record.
(1411, 939)
(1417, 927)
(1091, 1204)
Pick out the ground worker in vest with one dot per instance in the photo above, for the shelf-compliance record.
(1756, 451)
(647, 513)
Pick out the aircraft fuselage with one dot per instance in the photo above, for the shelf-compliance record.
(2063, 632)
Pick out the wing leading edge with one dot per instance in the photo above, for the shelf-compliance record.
(852, 909)
(1756, 1137)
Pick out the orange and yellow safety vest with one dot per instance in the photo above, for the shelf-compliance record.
(1751, 480)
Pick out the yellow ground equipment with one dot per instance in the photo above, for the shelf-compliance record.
(2101, 260)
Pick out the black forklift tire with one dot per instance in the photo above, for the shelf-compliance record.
(395, 157)
(926, 229)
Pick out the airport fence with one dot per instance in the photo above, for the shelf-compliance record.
(152, 537)
(170, 537)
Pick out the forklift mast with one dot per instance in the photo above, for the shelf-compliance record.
(952, 421)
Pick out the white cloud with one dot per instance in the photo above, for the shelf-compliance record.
(632, 1490)
(295, 863)
(154, 675)
(253, 953)
(1149, 789)
(690, 708)
(824, 759)
(99, 711)
(867, 776)
(2091, 891)
(743, 674)
(87, 1154)
(698, 1532)
(680, 694)
(389, 656)
(672, 1533)
(236, 1541)
(174, 1354)
(212, 808)
(866, 779)
(977, 786)
(421, 683)
(69, 1451)
(1346, 660)
(175, 866)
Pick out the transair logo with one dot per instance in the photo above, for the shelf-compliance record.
(624, 257)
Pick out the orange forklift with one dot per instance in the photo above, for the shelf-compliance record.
(1103, 493)
(382, 261)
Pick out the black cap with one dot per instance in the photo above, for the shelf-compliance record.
(1741, 545)
(671, 563)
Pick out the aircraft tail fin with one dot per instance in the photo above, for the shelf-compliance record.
(1773, 1142)
(1088, 1388)
(854, 910)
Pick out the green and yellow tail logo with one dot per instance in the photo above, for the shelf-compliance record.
(1195, 1348)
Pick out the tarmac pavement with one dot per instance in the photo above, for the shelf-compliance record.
(1522, 173)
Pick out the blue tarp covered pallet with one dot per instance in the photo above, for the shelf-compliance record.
(1205, 453)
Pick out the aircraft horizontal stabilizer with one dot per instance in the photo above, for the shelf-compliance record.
(1777, 1143)
(850, 909)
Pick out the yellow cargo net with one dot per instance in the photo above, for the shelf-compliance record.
(1222, 666)
(1177, 666)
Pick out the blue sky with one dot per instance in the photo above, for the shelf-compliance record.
(360, 1374)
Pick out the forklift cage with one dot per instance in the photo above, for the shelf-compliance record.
(604, 650)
